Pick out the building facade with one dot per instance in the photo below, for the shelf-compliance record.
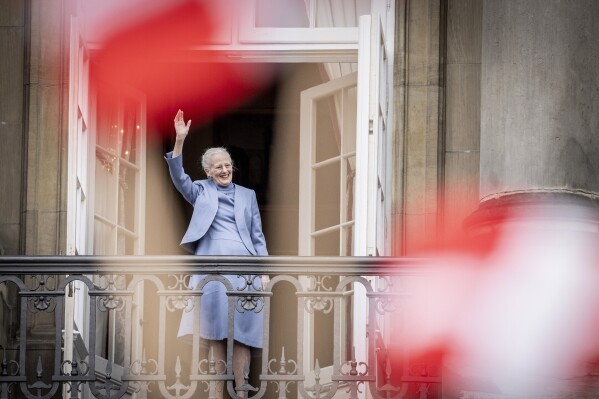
(375, 128)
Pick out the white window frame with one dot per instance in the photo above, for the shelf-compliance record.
(307, 231)
(253, 44)
(81, 191)
(78, 144)
(249, 33)
(140, 182)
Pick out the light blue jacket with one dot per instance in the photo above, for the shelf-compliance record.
(202, 194)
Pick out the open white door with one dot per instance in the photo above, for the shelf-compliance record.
(106, 197)
(78, 216)
(373, 139)
(78, 157)
(344, 152)
(119, 126)
(327, 183)
(328, 167)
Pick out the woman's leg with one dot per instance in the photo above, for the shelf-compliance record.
(241, 362)
(219, 351)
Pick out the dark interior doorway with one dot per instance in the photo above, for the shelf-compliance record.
(246, 131)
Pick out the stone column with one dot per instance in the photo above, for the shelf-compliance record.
(46, 131)
(462, 114)
(539, 104)
(418, 85)
(12, 50)
(46, 105)
(539, 164)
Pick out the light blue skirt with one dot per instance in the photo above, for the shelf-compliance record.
(213, 312)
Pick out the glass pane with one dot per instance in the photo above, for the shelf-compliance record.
(127, 197)
(348, 241)
(324, 341)
(327, 244)
(103, 238)
(281, 14)
(340, 13)
(327, 131)
(349, 119)
(350, 188)
(125, 244)
(102, 334)
(130, 131)
(82, 151)
(107, 121)
(327, 196)
(382, 166)
(105, 195)
(380, 224)
(119, 339)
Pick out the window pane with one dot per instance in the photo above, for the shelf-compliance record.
(327, 131)
(130, 131)
(340, 13)
(281, 14)
(104, 238)
(327, 244)
(125, 244)
(349, 119)
(349, 189)
(348, 241)
(105, 195)
(127, 197)
(107, 121)
(323, 339)
(327, 198)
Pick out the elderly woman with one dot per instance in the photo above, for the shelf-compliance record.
(225, 221)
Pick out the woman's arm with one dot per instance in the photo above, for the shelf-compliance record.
(174, 159)
(182, 130)
(188, 189)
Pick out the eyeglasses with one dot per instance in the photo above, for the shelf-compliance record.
(223, 166)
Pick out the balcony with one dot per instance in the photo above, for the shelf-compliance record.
(106, 327)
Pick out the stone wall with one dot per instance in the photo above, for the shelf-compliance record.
(46, 130)
(418, 96)
(12, 119)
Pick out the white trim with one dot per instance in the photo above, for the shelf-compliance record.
(72, 142)
(129, 103)
(373, 139)
(249, 33)
(306, 219)
(307, 160)
(362, 133)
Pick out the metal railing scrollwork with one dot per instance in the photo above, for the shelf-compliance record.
(124, 314)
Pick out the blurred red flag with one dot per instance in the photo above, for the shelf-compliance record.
(158, 52)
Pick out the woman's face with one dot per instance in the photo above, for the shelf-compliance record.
(221, 169)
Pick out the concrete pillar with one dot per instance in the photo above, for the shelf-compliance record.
(460, 187)
(539, 183)
(418, 87)
(539, 98)
(12, 50)
(46, 132)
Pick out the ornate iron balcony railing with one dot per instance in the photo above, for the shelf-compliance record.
(105, 327)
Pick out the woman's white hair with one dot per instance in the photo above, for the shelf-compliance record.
(207, 155)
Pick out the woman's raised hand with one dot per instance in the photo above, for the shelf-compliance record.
(180, 127)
